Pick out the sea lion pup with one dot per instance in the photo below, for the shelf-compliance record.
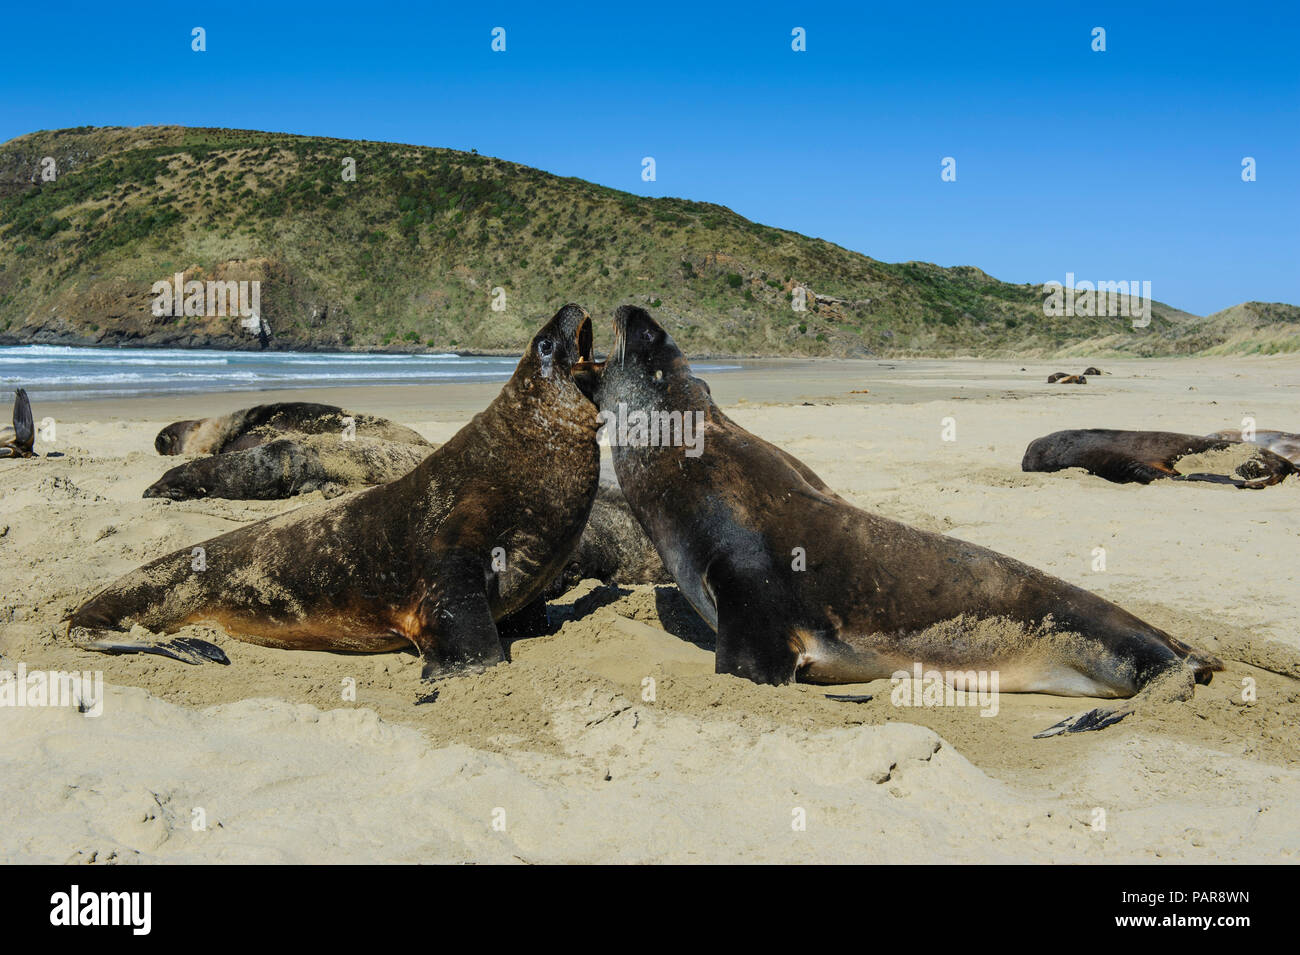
(1282, 443)
(800, 584)
(433, 559)
(250, 427)
(280, 469)
(17, 442)
(1127, 457)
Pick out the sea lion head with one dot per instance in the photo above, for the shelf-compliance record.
(560, 354)
(171, 439)
(185, 482)
(645, 364)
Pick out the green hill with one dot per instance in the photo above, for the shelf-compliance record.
(407, 256)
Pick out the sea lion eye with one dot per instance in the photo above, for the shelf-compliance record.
(545, 346)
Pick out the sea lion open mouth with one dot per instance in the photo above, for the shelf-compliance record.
(586, 371)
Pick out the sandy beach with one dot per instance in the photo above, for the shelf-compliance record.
(611, 739)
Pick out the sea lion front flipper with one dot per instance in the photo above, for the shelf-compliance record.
(454, 630)
(24, 428)
(755, 640)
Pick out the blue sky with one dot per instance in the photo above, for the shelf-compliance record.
(1117, 165)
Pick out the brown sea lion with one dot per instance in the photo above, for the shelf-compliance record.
(432, 560)
(1091, 370)
(18, 441)
(800, 584)
(1061, 378)
(1141, 457)
(289, 466)
(250, 427)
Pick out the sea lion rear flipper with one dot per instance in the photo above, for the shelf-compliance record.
(24, 429)
(185, 649)
(454, 629)
(1172, 683)
(1099, 718)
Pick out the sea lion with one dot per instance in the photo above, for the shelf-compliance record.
(1091, 370)
(613, 548)
(801, 585)
(1061, 378)
(289, 466)
(17, 442)
(1282, 443)
(250, 427)
(1144, 456)
(433, 559)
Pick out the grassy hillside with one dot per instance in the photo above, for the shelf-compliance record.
(406, 257)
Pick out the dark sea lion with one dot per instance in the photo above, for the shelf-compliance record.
(1061, 378)
(1056, 376)
(1141, 457)
(17, 442)
(1282, 443)
(800, 584)
(250, 427)
(1091, 370)
(289, 466)
(613, 548)
(433, 559)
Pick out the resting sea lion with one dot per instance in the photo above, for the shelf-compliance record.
(433, 559)
(17, 442)
(1061, 378)
(280, 469)
(1145, 456)
(250, 427)
(800, 584)
(613, 548)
